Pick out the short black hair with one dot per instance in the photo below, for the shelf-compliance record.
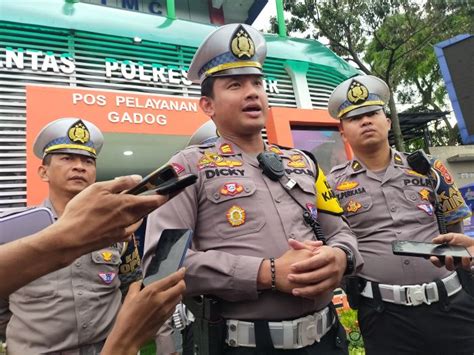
(207, 87)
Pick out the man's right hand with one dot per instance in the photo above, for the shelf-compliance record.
(102, 215)
(143, 313)
(454, 239)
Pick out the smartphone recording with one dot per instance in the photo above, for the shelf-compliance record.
(163, 181)
(169, 254)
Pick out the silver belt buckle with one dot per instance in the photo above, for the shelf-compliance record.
(308, 329)
(416, 295)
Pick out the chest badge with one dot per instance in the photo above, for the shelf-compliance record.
(425, 194)
(353, 206)
(107, 277)
(296, 161)
(106, 255)
(427, 208)
(231, 189)
(415, 173)
(347, 185)
(236, 216)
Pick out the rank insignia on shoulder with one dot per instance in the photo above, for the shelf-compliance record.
(312, 210)
(397, 159)
(226, 148)
(297, 161)
(353, 206)
(356, 166)
(236, 216)
(178, 168)
(413, 172)
(106, 255)
(427, 208)
(107, 277)
(425, 194)
(347, 185)
(275, 150)
(231, 189)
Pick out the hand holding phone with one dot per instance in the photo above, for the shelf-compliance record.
(412, 248)
(169, 254)
(163, 181)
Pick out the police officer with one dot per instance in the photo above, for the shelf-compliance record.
(73, 309)
(252, 247)
(407, 305)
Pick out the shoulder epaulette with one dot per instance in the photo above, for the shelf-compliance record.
(340, 167)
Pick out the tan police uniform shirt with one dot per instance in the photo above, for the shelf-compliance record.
(239, 217)
(72, 307)
(393, 206)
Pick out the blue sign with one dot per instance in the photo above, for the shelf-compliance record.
(467, 192)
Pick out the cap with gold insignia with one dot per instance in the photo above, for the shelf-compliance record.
(357, 95)
(234, 49)
(69, 135)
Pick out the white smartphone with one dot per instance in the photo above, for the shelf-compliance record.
(21, 223)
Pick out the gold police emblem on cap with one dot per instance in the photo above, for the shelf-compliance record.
(78, 133)
(357, 93)
(242, 45)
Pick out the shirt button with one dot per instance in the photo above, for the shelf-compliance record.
(393, 209)
(78, 263)
(406, 262)
(84, 325)
(277, 200)
(80, 293)
(217, 196)
(398, 232)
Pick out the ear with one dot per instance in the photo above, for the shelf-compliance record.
(207, 105)
(43, 173)
(341, 131)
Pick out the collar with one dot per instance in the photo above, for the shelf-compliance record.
(47, 203)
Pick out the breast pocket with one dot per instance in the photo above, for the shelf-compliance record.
(356, 208)
(418, 200)
(105, 264)
(235, 207)
(44, 287)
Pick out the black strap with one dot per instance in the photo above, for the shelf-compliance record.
(443, 295)
(263, 339)
(379, 306)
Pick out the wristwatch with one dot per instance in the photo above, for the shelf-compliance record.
(349, 260)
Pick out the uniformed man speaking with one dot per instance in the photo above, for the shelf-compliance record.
(70, 311)
(251, 210)
(406, 306)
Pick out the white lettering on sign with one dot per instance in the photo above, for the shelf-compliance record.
(48, 61)
(137, 118)
(155, 104)
(37, 60)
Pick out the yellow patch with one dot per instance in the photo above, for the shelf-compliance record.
(326, 201)
(236, 216)
(212, 160)
(107, 255)
(275, 150)
(425, 194)
(353, 206)
(347, 185)
(297, 161)
(413, 172)
(226, 148)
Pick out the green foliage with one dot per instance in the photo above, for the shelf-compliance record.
(348, 318)
(392, 39)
